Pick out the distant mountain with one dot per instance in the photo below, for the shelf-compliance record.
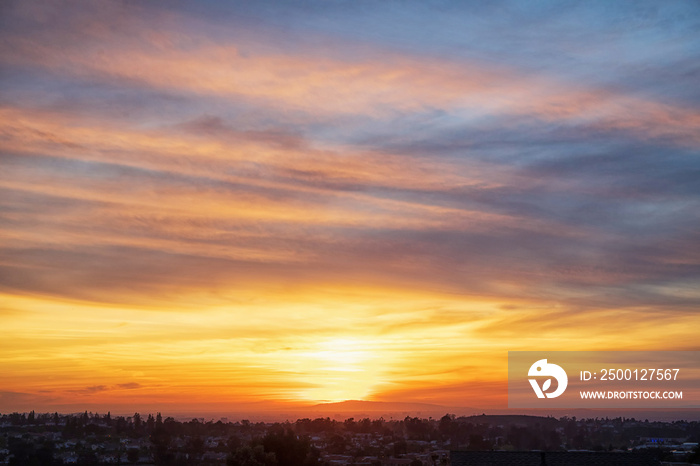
(375, 405)
(378, 408)
(511, 419)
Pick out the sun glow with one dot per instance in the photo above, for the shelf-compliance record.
(342, 368)
(343, 354)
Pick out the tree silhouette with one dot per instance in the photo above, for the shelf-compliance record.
(132, 455)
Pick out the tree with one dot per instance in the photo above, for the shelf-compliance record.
(21, 452)
(337, 444)
(447, 424)
(289, 449)
(477, 443)
(400, 448)
(365, 425)
(695, 456)
(132, 455)
(87, 458)
(195, 448)
(247, 456)
(44, 455)
(350, 424)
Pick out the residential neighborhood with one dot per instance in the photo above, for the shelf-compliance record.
(101, 439)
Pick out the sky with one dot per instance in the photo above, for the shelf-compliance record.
(208, 205)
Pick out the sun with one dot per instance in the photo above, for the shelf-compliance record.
(340, 369)
(343, 354)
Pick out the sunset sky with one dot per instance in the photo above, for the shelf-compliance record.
(207, 205)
